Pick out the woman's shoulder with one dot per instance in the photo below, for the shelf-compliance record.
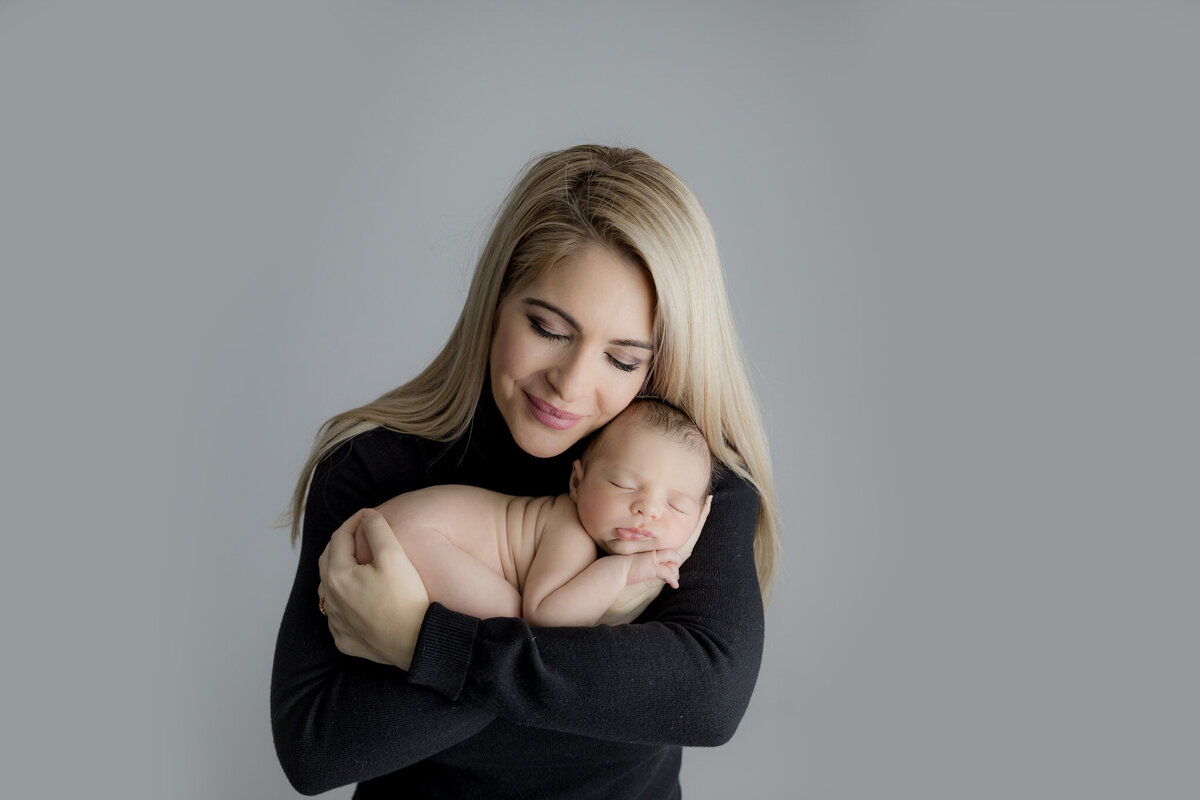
(377, 465)
(732, 487)
(380, 445)
(735, 509)
(364, 451)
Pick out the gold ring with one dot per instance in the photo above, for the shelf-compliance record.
(322, 606)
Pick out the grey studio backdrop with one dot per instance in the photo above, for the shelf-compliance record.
(960, 247)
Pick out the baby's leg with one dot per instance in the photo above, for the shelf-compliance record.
(456, 579)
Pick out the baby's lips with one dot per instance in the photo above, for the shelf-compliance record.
(633, 534)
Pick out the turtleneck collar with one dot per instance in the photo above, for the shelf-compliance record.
(488, 456)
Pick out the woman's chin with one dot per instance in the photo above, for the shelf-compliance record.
(544, 443)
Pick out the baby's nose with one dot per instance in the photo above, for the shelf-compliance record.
(648, 509)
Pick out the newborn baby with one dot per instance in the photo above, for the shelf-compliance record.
(638, 494)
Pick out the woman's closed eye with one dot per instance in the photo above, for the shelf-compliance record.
(541, 330)
(622, 365)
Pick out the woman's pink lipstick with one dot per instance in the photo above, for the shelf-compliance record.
(550, 416)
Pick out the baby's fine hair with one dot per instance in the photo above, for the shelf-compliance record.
(658, 415)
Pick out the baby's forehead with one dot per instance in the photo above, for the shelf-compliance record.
(688, 442)
(620, 452)
(688, 445)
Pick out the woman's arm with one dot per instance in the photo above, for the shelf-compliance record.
(682, 675)
(337, 719)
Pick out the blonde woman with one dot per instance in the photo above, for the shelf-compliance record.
(600, 281)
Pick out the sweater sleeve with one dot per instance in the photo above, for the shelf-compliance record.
(682, 675)
(336, 719)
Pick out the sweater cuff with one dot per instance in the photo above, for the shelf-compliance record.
(443, 650)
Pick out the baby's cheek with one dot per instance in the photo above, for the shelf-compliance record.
(588, 514)
(676, 537)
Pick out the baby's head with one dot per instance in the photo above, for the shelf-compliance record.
(642, 481)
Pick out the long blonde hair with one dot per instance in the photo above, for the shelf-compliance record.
(564, 202)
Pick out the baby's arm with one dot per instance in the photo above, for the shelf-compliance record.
(631, 602)
(568, 585)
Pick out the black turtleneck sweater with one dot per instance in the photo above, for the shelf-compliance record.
(495, 708)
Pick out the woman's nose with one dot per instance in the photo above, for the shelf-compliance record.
(570, 378)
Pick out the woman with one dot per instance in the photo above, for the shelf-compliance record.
(600, 281)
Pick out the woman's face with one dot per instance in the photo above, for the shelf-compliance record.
(572, 349)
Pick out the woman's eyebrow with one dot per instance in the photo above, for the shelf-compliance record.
(533, 301)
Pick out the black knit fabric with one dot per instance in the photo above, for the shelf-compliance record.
(494, 708)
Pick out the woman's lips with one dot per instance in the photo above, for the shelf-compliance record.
(633, 534)
(550, 416)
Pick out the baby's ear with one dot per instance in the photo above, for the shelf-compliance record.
(576, 477)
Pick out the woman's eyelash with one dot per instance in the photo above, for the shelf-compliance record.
(542, 332)
(621, 365)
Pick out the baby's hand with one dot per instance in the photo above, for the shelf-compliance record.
(662, 564)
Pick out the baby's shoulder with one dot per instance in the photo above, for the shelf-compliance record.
(529, 517)
(555, 509)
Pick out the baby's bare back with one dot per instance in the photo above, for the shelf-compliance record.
(500, 533)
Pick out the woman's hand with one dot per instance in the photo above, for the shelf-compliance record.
(375, 608)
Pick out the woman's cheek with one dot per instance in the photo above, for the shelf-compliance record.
(506, 353)
(620, 395)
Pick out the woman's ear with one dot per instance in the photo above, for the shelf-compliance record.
(576, 478)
